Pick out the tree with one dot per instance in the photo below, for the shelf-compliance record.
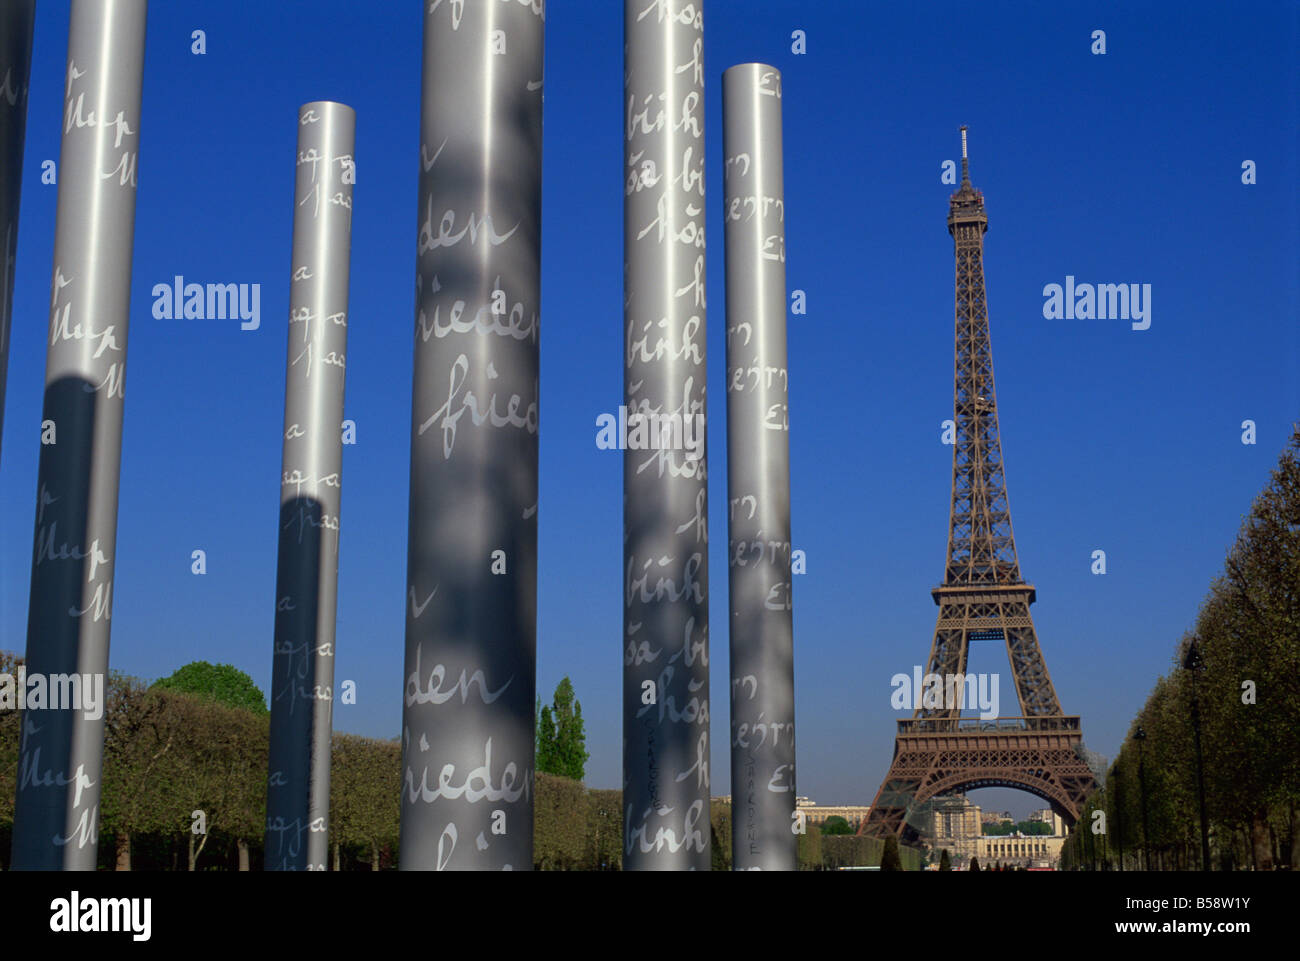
(890, 859)
(561, 735)
(836, 825)
(604, 831)
(213, 778)
(223, 683)
(560, 822)
(810, 857)
(9, 738)
(1229, 712)
(139, 732)
(365, 794)
(720, 826)
(545, 761)
(974, 864)
(945, 861)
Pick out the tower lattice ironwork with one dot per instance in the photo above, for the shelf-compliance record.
(982, 598)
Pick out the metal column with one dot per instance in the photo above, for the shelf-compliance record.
(665, 473)
(471, 598)
(17, 18)
(56, 816)
(306, 592)
(758, 476)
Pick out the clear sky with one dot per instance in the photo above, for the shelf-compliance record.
(1117, 168)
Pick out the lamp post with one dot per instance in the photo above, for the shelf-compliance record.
(1192, 664)
(1119, 814)
(1141, 737)
(1105, 842)
(1092, 843)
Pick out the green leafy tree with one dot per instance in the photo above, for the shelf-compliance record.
(561, 735)
(560, 821)
(1233, 684)
(213, 781)
(810, 851)
(890, 859)
(9, 738)
(365, 795)
(945, 861)
(140, 728)
(604, 831)
(836, 825)
(545, 761)
(223, 683)
(720, 835)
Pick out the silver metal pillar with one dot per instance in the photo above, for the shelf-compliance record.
(306, 592)
(665, 474)
(56, 817)
(17, 18)
(758, 476)
(471, 622)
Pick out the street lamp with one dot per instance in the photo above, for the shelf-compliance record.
(1119, 815)
(1192, 663)
(1105, 842)
(1141, 737)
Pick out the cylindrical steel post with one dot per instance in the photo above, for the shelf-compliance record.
(56, 816)
(665, 473)
(17, 18)
(306, 589)
(471, 598)
(758, 476)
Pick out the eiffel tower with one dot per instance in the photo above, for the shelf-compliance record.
(982, 598)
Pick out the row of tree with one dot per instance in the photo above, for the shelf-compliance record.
(184, 787)
(1219, 734)
(945, 863)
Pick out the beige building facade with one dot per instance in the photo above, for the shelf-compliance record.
(815, 815)
(956, 824)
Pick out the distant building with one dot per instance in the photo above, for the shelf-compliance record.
(956, 824)
(1018, 850)
(1050, 818)
(815, 815)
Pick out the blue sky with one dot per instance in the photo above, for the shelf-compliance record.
(1124, 167)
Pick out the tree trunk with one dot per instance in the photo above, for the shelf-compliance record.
(243, 854)
(336, 856)
(374, 856)
(1261, 849)
(195, 852)
(1295, 838)
(123, 851)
